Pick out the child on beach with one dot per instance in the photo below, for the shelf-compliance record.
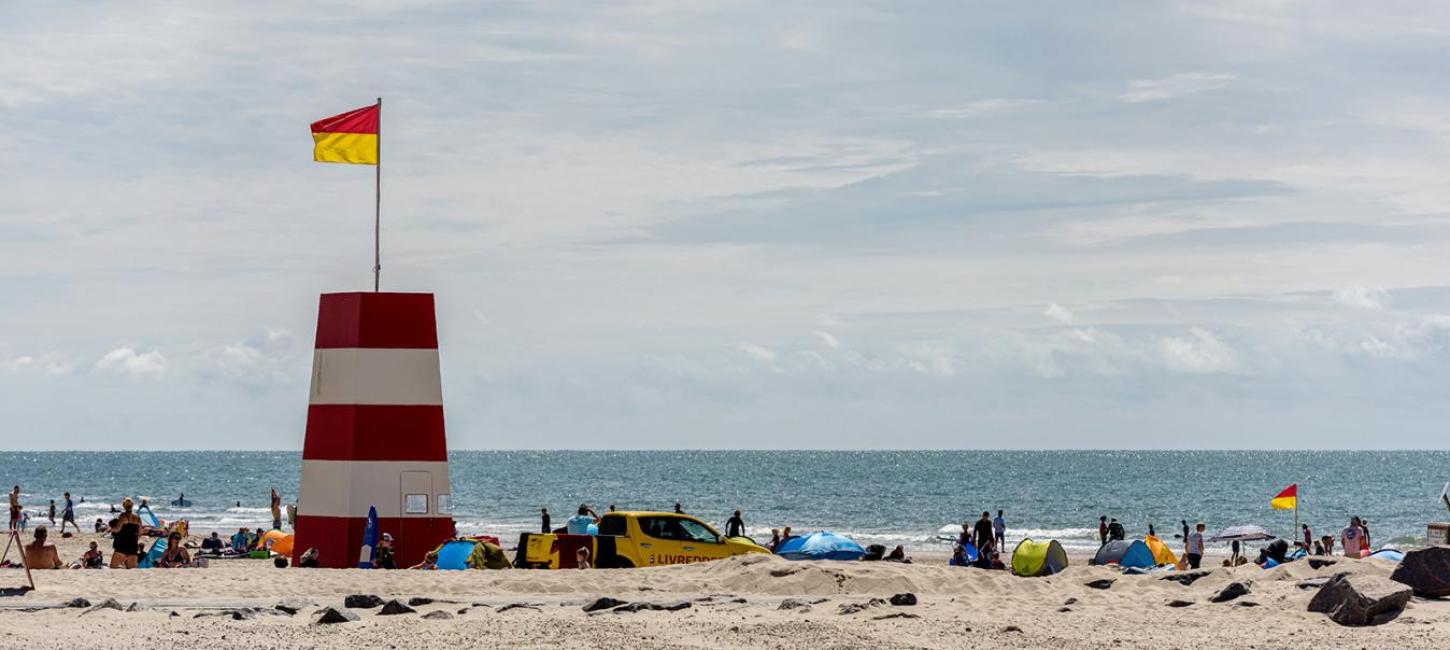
(581, 558)
(92, 558)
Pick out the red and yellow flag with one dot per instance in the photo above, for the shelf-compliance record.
(1287, 500)
(348, 138)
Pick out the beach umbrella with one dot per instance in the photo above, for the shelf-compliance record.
(1244, 533)
(823, 545)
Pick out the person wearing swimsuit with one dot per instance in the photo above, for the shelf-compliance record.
(125, 535)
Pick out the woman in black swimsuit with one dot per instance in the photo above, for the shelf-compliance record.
(125, 535)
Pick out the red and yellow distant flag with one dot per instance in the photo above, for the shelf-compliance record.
(348, 138)
(1287, 500)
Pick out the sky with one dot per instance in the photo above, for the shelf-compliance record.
(739, 224)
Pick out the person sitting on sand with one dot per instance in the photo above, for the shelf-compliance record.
(429, 563)
(175, 555)
(213, 544)
(100, 525)
(581, 558)
(774, 539)
(785, 534)
(126, 537)
(1319, 549)
(92, 558)
(994, 562)
(256, 541)
(384, 556)
(959, 556)
(579, 524)
(39, 555)
(898, 554)
(239, 541)
(308, 559)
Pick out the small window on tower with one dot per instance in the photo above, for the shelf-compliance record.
(415, 504)
(445, 504)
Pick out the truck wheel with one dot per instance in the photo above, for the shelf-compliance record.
(620, 563)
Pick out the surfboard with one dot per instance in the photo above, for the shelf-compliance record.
(370, 540)
(181, 503)
(149, 517)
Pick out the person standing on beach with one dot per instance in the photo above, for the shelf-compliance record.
(276, 510)
(1115, 530)
(579, 524)
(1103, 530)
(544, 520)
(51, 515)
(15, 507)
(678, 510)
(1308, 539)
(1195, 546)
(1352, 538)
(999, 529)
(125, 537)
(982, 531)
(735, 526)
(68, 515)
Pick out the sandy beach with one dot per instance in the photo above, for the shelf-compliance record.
(754, 601)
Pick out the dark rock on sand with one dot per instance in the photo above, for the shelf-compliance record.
(604, 602)
(1232, 591)
(1320, 563)
(852, 608)
(1179, 603)
(109, 603)
(1185, 578)
(419, 601)
(244, 614)
(1101, 583)
(1012, 628)
(654, 607)
(793, 603)
(1360, 600)
(1070, 601)
(903, 600)
(333, 615)
(362, 601)
(1064, 610)
(439, 615)
(1427, 571)
(894, 615)
(135, 607)
(510, 606)
(78, 603)
(1312, 583)
(395, 607)
(286, 609)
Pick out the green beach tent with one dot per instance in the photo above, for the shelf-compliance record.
(1032, 558)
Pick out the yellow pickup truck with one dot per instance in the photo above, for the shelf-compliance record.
(634, 539)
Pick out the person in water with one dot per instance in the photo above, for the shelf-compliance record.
(1103, 530)
(39, 554)
(678, 510)
(125, 537)
(1115, 530)
(51, 515)
(735, 526)
(544, 517)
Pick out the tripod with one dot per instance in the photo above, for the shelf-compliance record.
(14, 540)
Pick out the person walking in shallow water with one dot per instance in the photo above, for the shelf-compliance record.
(1103, 530)
(735, 526)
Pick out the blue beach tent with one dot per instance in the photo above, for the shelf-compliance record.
(453, 555)
(820, 546)
(1134, 554)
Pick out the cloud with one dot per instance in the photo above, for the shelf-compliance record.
(1199, 352)
(1173, 86)
(125, 361)
(757, 352)
(1361, 297)
(828, 339)
(1059, 313)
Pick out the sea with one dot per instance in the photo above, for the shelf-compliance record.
(914, 498)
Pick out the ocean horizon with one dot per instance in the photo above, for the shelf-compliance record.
(910, 497)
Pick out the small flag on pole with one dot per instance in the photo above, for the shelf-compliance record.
(351, 137)
(1287, 500)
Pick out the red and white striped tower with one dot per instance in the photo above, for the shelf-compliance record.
(374, 430)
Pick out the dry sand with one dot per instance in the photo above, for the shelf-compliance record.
(733, 603)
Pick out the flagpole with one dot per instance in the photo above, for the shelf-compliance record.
(378, 204)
